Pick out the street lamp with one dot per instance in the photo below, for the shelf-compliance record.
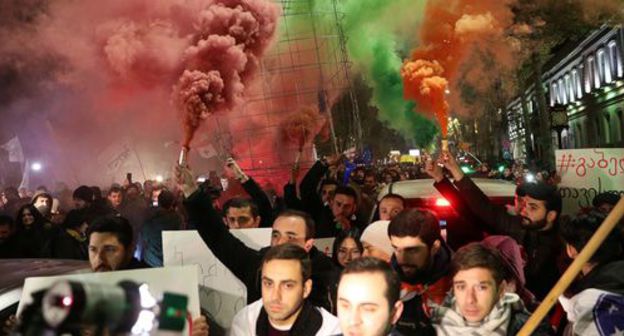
(559, 121)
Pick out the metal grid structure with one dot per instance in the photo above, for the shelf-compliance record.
(306, 66)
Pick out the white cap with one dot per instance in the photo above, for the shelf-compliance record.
(376, 234)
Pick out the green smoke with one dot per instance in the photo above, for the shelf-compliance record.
(376, 31)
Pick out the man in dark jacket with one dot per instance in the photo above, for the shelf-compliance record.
(332, 211)
(70, 242)
(111, 245)
(290, 226)
(164, 217)
(421, 259)
(259, 207)
(535, 227)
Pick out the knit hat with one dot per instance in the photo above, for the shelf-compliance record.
(513, 255)
(84, 193)
(376, 234)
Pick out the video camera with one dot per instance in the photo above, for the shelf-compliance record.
(125, 308)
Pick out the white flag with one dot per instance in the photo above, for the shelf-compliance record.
(14, 147)
(25, 177)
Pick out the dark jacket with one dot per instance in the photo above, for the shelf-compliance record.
(246, 262)
(158, 221)
(433, 285)
(262, 201)
(544, 248)
(308, 188)
(33, 242)
(608, 277)
(68, 244)
(291, 200)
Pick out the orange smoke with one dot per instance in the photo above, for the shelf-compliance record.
(451, 32)
(424, 83)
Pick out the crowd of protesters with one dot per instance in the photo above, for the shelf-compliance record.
(392, 276)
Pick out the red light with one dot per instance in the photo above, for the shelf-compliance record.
(67, 301)
(442, 202)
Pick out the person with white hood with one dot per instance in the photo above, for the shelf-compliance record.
(376, 241)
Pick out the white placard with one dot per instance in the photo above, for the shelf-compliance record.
(325, 245)
(586, 173)
(159, 280)
(221, 293)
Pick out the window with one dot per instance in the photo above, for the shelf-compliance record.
(615, 60)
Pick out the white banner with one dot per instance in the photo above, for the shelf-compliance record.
(118, 159)
(220, 293)
(586, 173)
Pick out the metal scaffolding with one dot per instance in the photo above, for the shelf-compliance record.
(307, 66)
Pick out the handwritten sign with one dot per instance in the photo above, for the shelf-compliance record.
(586, 173)
(221, 293)
(159, 280)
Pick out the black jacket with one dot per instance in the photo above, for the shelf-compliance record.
(66, 245)
(544, 248)
(434, 284)
(608, 277)
(262, 201)
(246, 262)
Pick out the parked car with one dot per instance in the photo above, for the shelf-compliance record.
(15, 271)
(457, 230)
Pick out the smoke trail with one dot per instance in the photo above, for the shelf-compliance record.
(300, 127)
(233, 37)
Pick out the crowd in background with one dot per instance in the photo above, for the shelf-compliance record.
(443, 287)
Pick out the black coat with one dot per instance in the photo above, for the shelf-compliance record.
(246, 262)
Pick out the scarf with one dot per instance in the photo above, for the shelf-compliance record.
(307, 323)
(449, 321)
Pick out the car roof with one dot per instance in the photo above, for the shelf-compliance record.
(423, 188)
(15, 271)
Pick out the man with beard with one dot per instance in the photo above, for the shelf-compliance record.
(534, 227)
(283, 308)
(421, 259)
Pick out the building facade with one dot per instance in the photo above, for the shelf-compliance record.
(589, 82)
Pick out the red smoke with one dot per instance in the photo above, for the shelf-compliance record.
(232, 37)
(300, 127)
(451, 33)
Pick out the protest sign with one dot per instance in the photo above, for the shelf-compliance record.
(586, 173)
(220, 292)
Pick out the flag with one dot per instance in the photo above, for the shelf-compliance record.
(14, 148)
(25, 176)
